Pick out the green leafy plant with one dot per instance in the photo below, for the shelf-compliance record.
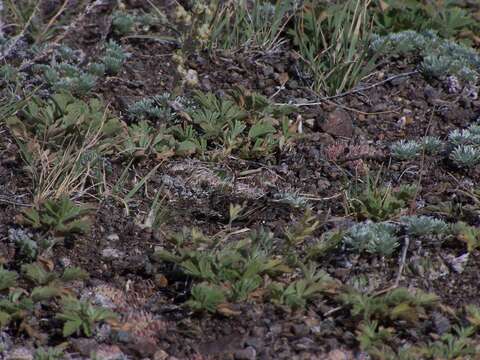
(7, 279)
(237, 268)
(398, 304)
(205, 298)
(61, 217)
(81, 317)
(304, 228)
(63, 119)
(244, 122)
(378, 203)
(38, 285)
(453, 345)
(443, 16)
(122, 23)
(299, 292)
(50, 353)
(155, 108)
(469, 235)
(372, 336)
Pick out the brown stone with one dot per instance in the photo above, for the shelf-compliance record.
(338, 123)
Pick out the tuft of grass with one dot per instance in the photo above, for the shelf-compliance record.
(378, 203)
(334, 46)
(258, 25)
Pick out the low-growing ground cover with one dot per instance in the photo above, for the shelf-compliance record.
(239, 179)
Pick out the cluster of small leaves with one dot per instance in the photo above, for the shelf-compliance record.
(235, 272)
(470, 235)
(409, 150)
(377, 314)
(399, 304)
(424, 226)
(65, 72)
(62, 119)
(236, 269)
(314, 283)
(155, 108)
(444, 17)
(18, 304)
(114, 58)
(60, 217)
(440, 57)
(244, 123)
(466, 143)
(373, 238)
(406, 150)
(81, 317)
(122, 23)
(378, 203)
(125, 23)
(432, 145)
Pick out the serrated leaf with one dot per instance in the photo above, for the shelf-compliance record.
(4, 319)
(7, 278)
(70, 327)
(42, 293)
(74, 273)
(259, 129)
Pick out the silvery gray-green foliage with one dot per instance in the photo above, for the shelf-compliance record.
(23, 240)
(294, 199)
(155, 107)
(405, 150)
(440, 57)
(122, 23)
(424, 225)
(463, 137)
(432, 145)
(465, 155)
(65, 72)
(374, 238)
(114, 57)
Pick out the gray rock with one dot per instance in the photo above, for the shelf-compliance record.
(248, 353)
(111, 253)
(113, 237)
(20, 353)
(441, 323)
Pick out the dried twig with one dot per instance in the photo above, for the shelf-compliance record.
(351, 92)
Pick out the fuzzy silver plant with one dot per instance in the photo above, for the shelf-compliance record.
(374, 238)
(432, 145)
(405, 150)
(464, 137)
(465, 156)
(424, 225)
